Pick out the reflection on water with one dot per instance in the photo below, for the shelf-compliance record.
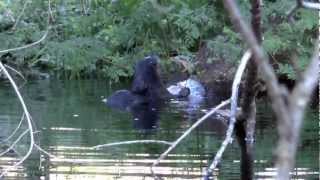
(71, 118)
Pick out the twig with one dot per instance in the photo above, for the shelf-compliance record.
(131, 142)
(14, 70)
(55, 157)
(176, 142)
(14, 132)
(50, 11)
(234, 99)
(17, 72)
(44, 151)
(28, 117)
(20, 15)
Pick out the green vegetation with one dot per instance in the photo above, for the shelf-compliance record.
(104, 38)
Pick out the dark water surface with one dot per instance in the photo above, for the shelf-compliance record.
(70, 118)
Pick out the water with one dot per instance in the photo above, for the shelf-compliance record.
(70, 119)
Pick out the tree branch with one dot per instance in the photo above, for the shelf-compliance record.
(26, 46)
(289, 135)
(131, 142)
(286, 121)
(20, 15)
(176, 142)
(299, 4)
(311, 5)
(28, 117)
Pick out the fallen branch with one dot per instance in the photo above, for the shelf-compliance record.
(131, 142)
(186, 133)
(105, 145)
(55, 157)
(234, 100)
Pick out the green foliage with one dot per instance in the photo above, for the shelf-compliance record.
(284, 39)
(226, 46)
(75, 55)
(105, 38)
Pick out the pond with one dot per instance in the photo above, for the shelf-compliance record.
(70, 118)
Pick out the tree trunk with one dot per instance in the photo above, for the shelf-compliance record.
(246, 125)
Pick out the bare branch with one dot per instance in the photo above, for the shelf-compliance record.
(14, 70)
(55, 157)
(20, 15)
(274, 90)
(282, 111)
(102, 146)
(311, 5)
(298, 99)
(26, 46)
(24, 107)
(234, 99)
(28, 117)
(299, 4)
(186, 133)
(50, 11)
(131, 142)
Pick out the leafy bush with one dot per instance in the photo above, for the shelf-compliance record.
(105, 38)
